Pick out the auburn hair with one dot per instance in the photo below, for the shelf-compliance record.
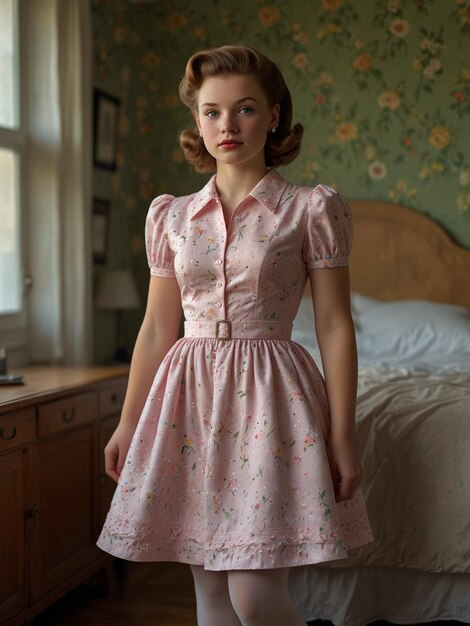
(281, 147)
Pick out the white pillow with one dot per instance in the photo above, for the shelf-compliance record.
(408, 329)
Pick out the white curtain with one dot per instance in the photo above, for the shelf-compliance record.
(59, 170)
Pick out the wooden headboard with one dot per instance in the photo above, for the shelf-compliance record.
(399, 253)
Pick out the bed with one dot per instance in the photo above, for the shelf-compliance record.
(411, 306)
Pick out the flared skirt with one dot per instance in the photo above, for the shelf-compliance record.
(228, 467)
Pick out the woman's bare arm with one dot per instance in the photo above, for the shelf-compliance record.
(336, 339)
(158, 333)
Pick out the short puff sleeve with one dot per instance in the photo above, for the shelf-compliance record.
(159, 254)
(328, 236)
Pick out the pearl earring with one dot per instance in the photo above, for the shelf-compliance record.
(273, 129)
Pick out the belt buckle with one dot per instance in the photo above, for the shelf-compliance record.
(228, 334)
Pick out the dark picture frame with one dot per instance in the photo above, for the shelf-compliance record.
(100, 230)
(105, 119)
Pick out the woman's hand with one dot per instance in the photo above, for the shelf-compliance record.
(345, 468)
(116, 451)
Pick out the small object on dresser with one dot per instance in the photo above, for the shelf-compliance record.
(5, 378)
(11, 379)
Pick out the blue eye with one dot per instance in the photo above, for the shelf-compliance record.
(211, 114)
(246, 110)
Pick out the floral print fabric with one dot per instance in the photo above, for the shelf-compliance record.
(228, 467)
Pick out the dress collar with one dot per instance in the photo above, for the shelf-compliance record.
(268, 192)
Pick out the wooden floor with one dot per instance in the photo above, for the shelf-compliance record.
(146, 594)
(149, 594)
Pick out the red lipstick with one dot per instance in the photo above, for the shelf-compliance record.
(229, 144)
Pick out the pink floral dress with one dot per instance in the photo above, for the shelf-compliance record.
(228, 466)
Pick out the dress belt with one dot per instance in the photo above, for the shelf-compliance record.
(223, 330)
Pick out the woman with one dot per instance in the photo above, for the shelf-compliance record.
(242, 461)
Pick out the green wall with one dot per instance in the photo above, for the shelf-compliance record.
(382, 88)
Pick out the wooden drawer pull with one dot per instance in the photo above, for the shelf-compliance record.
(8, 437)
(114, 398)
(68, 416)
(33, 511)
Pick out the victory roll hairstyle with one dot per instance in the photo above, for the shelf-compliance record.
(282, 147)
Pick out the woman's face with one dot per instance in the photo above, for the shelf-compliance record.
(234, 118)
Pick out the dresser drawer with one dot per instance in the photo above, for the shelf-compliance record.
(111, 398)
(67, 413)
(17, 429)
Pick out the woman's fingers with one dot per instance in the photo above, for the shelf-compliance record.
(111, 463)
(348, 484)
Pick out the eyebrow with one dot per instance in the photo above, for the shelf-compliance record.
(214, 104)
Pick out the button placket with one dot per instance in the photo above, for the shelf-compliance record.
(234, 220)
(220, 264)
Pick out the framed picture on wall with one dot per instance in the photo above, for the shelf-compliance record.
(105, 118)
(100, 229)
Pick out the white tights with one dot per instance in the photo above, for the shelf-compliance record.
(244, 598)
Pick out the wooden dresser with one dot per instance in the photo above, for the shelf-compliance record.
(54, 493)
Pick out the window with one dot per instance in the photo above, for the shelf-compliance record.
(9, 117)
(10, 243)
(44, 207)
(12, 315)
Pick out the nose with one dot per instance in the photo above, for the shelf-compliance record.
(229, 124)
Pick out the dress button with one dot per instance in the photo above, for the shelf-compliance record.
(219, 284)
(218, 262)
(218, 304)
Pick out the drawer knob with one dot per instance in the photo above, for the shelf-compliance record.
(7, 437)
(68, 416)
(33, 511)
(114, 398)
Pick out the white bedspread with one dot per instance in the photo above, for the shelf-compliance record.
(414, 437)
(413, 432)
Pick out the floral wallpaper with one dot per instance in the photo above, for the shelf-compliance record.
(381, 87)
